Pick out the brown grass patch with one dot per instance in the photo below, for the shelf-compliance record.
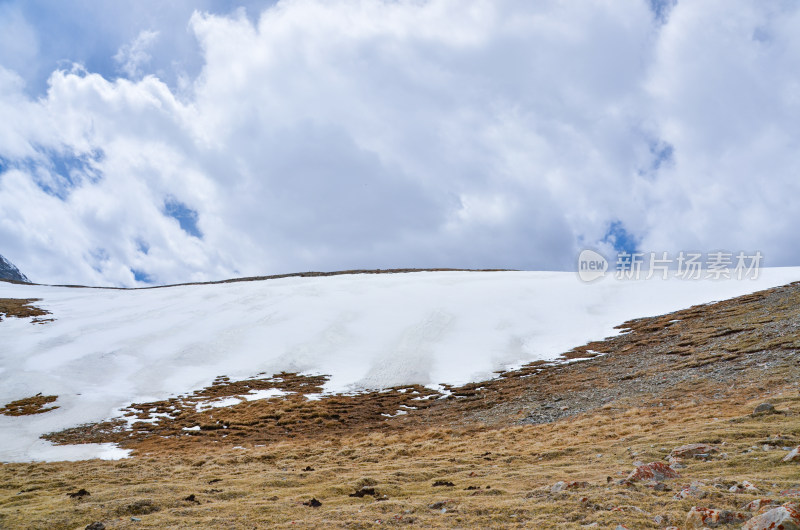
(23, 308)
(501, 476)
(28, 406)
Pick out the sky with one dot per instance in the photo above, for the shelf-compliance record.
(157, 142)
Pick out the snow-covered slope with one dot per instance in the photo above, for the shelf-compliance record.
(108, 348)
(9, 271)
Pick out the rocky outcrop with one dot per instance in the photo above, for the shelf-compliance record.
(8, 271)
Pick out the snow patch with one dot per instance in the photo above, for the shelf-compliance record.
(109, 348)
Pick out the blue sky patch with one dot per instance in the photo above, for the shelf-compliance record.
(620, 238)
(663, 154)
(58, 173)
(661, 9)
(185, 216)
(141, 276)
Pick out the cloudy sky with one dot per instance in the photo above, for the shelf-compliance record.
(158, 142)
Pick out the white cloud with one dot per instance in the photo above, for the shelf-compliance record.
(133, 56)
(370, 134)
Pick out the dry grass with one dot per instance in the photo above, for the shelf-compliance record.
(265, 487)
(28, 406)
(22, 308)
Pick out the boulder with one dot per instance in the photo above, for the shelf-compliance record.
(786, 517)
(657, 471)
(793, 456)
(692, 449)
(692, 490)
(707, 517)
(756, 505)
(764, 408)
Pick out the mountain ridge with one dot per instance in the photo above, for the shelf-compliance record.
(9, 271)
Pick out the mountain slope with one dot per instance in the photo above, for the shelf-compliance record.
(9, 271)
(551, 445)
(99, 350)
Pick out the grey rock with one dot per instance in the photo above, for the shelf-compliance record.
(764, 408)
(9, 271)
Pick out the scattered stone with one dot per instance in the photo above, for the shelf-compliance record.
(313, 503)
(743, 487)
(660, 519)
(572, 485)
(756, 505)
(692, 490)
(764, 408)
(675, 462)
(786, 517)
(443, 483)
(707, 517)
(135, 519)
(791, 493)
(660, 486)
(95, 526)
(437, 505)
(308, 468)
(192, 498)
(653, 471)
(793, 456)
(78, 494)
(365, 490)
(692, 450)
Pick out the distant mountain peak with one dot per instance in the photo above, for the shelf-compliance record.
(9, 271)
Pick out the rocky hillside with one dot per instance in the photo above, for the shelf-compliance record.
(9, 271)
